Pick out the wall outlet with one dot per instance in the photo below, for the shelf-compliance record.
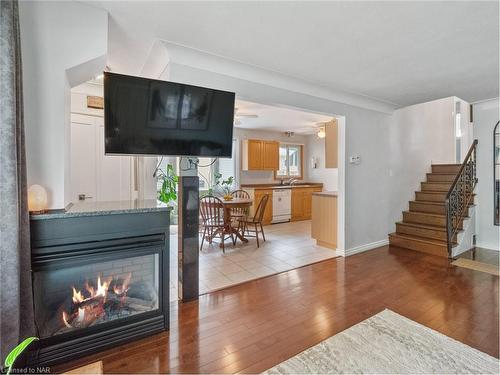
(356, 159)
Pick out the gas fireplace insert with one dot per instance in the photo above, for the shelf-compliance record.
(98, 280)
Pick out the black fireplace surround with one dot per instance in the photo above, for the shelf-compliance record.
(99, 279)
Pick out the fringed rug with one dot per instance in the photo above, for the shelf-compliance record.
(477, 266)
(389, 343)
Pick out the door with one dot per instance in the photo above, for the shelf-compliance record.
(271, 155)
(114, 175)
(94, 175)
(297, 204)
(83, 158)
(255, 154)
(331, 144)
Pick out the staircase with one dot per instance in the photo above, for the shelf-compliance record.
(434, 223)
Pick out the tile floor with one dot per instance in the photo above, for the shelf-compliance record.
(288, 246)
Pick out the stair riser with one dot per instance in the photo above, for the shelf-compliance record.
(431, 177)
(421, 232)
(421, 196)
(430, 208)
(419, 246)
(446, 169)
(435, 186)
(418, 218)
(421, 218)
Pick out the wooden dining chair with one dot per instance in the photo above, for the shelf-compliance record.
(256, 220)
(239, 212)
(214, 221)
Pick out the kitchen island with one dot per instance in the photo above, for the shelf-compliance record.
(324, 218)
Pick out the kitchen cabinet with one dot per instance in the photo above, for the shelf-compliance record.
(268, 213)
(302, 202)
(270, 155)
(260, 155)
(331, 144)
(324, 219)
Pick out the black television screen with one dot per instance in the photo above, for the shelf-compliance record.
(151, 117)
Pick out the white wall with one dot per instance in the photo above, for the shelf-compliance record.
(63, 44)
(466, 128)
(420, 135)
(485, 116)
(315, 147)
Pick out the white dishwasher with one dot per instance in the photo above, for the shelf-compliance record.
(282, 205)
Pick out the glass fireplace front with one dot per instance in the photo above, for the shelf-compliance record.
(82, 296)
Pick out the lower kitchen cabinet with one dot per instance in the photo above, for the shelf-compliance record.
(302, 202)
(268, 213)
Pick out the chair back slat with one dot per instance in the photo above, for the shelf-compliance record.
(212, 211)
(240, 211)
(259, 212)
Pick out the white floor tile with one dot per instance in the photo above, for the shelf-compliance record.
(287, 246)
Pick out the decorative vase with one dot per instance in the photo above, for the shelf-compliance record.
(228, 197)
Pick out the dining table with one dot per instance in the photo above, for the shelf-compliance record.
(231, 204)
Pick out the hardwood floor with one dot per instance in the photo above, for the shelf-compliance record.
(482, 255)
(254, 326)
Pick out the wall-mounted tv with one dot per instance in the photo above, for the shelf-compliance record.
(151, 117)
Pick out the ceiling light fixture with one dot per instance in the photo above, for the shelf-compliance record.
(321, 132)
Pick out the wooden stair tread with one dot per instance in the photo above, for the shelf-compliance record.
(431, 192)
(433, 203)
(421, 239)
(427, 214)
(438, 182)
(423, 226)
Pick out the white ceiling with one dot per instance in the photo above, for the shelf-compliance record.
(398, 52)
(278, 118)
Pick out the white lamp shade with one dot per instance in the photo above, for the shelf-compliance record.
(37, 198)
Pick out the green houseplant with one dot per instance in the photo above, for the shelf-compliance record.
(225, 185)
(169, 181)
(16, 352)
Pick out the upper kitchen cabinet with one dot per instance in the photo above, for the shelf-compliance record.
(331, 144)
(260, 155)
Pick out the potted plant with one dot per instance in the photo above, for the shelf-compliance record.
(225, 185)
(168, 191)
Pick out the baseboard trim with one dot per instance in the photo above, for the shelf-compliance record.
(362, 248)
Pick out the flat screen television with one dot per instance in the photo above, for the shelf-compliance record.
(151, 117)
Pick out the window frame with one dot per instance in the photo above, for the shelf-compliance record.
(299, 177)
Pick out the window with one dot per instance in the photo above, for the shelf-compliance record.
(290, 163)
(207, 170)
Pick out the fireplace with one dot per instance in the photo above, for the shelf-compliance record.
(87, 295)
(98, 281)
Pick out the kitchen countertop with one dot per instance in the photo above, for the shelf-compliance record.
(278, 186)
(104, 208)
(326, 193)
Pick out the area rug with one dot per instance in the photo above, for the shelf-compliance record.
(477, 266)
(389, 343)
(90, 369)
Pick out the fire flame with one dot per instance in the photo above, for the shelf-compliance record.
(123, 288)
(94, 293)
